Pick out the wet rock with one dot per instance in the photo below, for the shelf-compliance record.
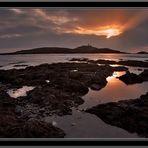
(65, 87)
(131, 115)
(102, 61)
(63, 92)
(75, 75)
(21, 65)
(131, 78)
(79, 59)
(11, 126)
(98, 80)
(120, 68)
(18, 110)
(34, 129)
(95, 87)
(53, 99)
(42, 110)
(6, 102)
(144, 75)
(7, 111)
(65, 111)
(60, 75)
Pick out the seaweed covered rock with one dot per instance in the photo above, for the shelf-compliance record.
(57, 88)
(98, 80)
(54, 100)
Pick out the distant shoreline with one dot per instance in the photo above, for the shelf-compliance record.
(60, 50)
(85, 49)
(60, 53)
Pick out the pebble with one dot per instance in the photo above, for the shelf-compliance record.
(54, 123)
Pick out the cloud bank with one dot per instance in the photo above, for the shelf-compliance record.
(121, 29)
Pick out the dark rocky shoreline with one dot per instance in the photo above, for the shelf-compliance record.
(12, 126)
(58, 88)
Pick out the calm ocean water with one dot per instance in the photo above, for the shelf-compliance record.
(8, 61)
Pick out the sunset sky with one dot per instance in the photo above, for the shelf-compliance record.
(120, 29)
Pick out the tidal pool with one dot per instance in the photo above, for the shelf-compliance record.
(15, 93)
(114, 91)
(84, 125)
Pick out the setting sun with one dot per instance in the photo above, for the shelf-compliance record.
(111, 32)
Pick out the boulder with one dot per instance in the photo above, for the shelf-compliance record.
(130, 78)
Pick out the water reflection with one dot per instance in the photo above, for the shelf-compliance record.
(85, 125)
(15, 93)
(112, 79)
(136, 70)
(115, 90)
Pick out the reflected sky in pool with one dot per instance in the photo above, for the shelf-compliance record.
(115, 90)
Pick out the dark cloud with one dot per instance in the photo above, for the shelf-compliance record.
(29, 28)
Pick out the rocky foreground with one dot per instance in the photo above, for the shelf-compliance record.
(131, 115)
(58, 88)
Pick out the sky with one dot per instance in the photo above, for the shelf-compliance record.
(124, 29)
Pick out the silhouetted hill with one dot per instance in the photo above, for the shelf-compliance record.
(43, 50)
(142, 52)
(91, 49)
(81, 49)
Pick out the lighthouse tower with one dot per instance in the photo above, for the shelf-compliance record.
(88, 45)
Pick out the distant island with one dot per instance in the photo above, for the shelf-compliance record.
(142, 52)
(59, 50)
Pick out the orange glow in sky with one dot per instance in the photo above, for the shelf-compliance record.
(110, 27)
(107, 31)
(111, 32)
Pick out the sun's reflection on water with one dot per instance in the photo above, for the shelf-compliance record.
(114, 91)
(114, 76)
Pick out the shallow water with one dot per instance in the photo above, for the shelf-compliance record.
(8, 61)
(15, 93)
(114, 91)
(85, 125)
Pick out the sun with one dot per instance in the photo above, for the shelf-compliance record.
(112, 32)
(109, 32)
